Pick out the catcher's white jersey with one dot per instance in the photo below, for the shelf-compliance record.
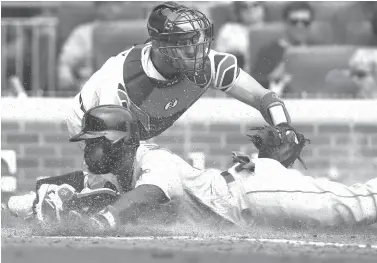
(121, 81)
(271, 193)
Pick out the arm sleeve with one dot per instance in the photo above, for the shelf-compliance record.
(157, 170)
(225, 70)
(247, 90)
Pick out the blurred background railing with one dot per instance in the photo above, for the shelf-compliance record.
(29, 55)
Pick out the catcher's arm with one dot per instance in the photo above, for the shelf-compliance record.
(249, 91)
(229, 78)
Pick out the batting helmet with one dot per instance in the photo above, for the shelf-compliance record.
(110, 121)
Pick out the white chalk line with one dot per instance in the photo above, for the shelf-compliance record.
(223, 238)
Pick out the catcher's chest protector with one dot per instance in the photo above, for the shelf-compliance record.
(157, 105)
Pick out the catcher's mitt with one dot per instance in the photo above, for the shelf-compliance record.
(281, 143)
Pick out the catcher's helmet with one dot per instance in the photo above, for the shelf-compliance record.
(185, 36)
(110, 121)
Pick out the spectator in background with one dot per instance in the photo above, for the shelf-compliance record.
(75, 61)
(233, 37)
(363, 71)
(359, 80)
(269, 69)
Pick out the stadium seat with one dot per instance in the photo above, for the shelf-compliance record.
(220, 14)
(353, 13)
(111, 38)
(322, 33)
(358, 33)
(274, 11)
(327, 10)
(340, 83)
(309, 66)
(260, 36)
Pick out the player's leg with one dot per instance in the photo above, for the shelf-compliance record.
(278, 194)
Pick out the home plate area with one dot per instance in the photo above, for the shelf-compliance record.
(180, 244)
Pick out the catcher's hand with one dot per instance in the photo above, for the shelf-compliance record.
(281, 143)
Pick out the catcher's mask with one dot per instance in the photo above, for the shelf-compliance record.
(184, 35)
(110, 133)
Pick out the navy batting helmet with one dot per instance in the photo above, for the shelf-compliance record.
(110, 121)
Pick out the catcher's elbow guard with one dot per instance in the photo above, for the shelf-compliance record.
(268, 101)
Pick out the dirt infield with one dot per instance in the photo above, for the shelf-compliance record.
(180, 244)
(57, 249)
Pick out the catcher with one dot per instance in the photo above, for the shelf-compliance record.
(161, 79)
(160, 185)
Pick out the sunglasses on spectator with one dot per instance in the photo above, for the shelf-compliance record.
(359, 74)
(296, 22)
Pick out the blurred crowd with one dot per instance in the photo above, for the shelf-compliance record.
(298, 49)
(268, 47)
